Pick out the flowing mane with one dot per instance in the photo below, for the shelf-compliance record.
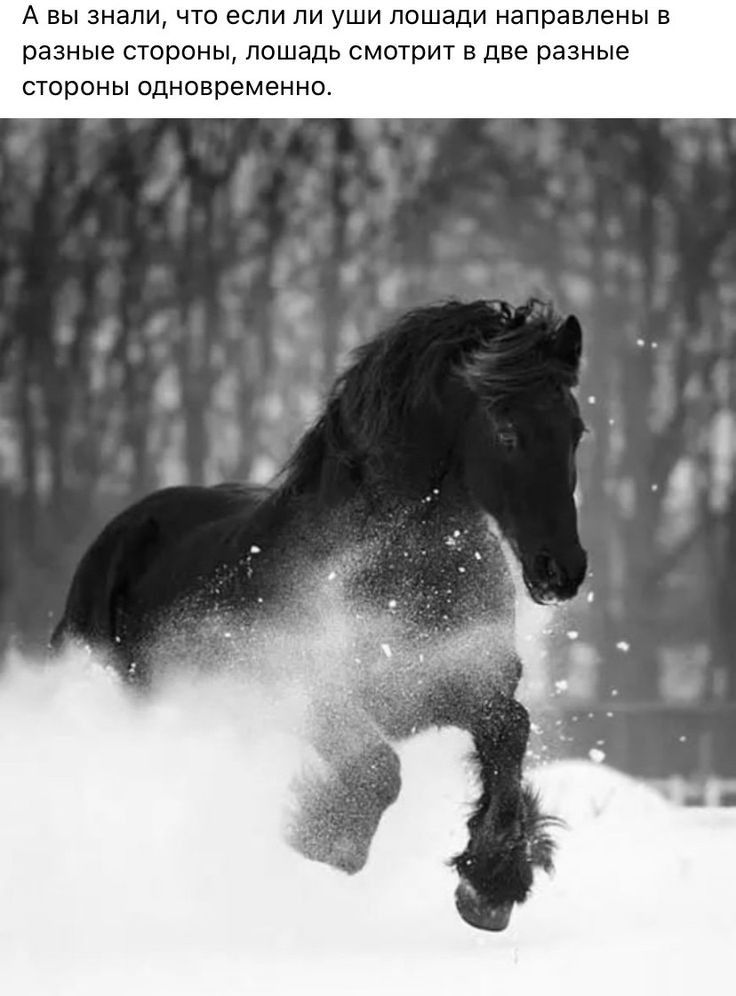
(497, 349)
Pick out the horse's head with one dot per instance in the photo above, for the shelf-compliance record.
(505, 417)
(520, 442)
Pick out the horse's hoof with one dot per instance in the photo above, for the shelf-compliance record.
(479, 913)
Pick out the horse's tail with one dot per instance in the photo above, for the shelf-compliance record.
(99, 595)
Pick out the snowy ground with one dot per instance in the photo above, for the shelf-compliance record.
(139, 854)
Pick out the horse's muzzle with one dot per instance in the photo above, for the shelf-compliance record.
(550, 579)
(478, 912)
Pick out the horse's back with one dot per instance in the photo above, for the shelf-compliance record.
(130, 545)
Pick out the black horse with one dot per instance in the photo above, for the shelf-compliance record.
(455, 414)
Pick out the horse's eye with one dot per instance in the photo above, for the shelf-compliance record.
(508, 439)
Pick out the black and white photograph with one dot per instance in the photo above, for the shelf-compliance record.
(367, 555)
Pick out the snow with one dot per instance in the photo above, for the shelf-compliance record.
(139, 853)
(578, 791)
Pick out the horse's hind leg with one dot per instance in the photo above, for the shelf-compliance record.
(337, 815)
(507, 832)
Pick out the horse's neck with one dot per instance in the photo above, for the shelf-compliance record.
(335, 459)
(431, 514)
(417, 487)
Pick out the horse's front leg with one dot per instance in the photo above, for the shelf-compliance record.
(507, 832)
(337, 814)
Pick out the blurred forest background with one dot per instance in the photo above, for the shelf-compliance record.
(177, 295)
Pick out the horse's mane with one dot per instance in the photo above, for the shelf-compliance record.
(498, 350)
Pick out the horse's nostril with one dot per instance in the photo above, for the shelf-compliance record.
(548, 568)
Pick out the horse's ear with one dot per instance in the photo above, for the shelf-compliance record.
(567, 342)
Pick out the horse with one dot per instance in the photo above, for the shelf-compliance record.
(451, 434)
